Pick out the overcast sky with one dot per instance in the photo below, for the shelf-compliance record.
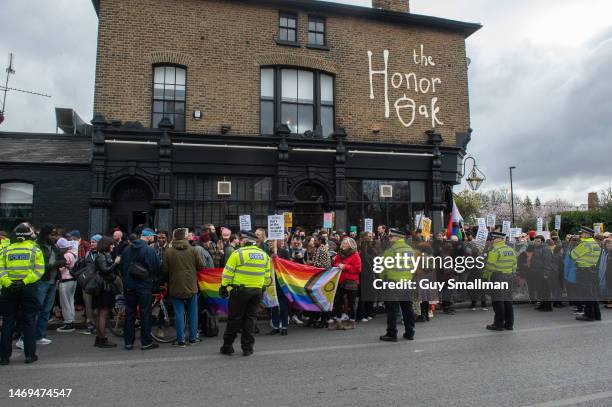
(540, 83)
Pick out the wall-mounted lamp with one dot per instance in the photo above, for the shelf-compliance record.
(197, 114)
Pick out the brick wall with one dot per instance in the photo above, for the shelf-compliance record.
(224, 43)
(393, 5)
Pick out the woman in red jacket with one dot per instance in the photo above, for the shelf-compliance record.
(349, 262)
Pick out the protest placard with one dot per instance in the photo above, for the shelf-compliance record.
(482, 223)
(328, 220)
(369, 225)
(426, 228)
(276, 227)
(288, 219)
(539, 226)
(490, 220)
(506, 227)
(245, 222)
(557, 222)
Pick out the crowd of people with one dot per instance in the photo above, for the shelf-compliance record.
(51, 268)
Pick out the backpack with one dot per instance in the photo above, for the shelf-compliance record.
(209, 325)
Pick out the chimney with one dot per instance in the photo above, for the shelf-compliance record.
(593, 201)
(392, 5)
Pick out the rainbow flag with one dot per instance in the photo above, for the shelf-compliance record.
(307, 288)
(209, 281)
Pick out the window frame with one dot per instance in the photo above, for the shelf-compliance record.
(277, 101)
(317, 19)
(10, 221)
(288, 15)
(153, 99)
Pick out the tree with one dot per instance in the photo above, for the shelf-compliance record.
(469, 205)
(537, 203)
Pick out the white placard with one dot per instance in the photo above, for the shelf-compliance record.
(597, 229)
(417, 221)
(482, 223)
(539, 227)
(74, 246)
(506, 227)
(491, 220)
(512, 235)
(276, 227)
(546, 234)
(482, 235)
(368, 225)
(557, 222)
(245, 222)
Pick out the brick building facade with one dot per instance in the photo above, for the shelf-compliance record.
(305, 106)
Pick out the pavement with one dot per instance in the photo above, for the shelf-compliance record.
(550, 359)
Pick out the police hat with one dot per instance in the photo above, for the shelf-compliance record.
(396, 233)
(586, 229)
(497, 235)
(22, 232)
(248, 235)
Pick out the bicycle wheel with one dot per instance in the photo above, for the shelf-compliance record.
(162, 327)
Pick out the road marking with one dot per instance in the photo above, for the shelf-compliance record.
(174, 359)
(575, 400)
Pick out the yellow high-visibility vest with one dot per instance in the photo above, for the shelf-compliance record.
(248, 266)
(21, 261)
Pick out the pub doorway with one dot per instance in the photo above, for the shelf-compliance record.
(131, 207)
(311, 202)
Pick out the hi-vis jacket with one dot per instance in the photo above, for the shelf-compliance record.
(500, 259)
(21, 261)
(248, 266)
(406, 271)
(586, 253)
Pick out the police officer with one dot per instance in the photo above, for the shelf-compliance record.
(244, 277)
(586, 255)
(499, 267)
(21, 266)
(402, 298)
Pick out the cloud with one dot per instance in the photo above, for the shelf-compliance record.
(540, 89)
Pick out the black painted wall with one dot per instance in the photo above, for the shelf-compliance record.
(61, 193)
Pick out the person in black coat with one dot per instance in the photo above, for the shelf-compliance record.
(104, 300)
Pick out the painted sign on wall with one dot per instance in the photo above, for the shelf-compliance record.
(407, 84)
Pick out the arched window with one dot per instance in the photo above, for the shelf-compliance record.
(169, 85)
(16, 199)
(302, 99)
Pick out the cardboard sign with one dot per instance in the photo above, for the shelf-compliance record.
(245, 222)
(369, 225)
(426, 228)
(288, 219)
(506, 227)
(598, 228)
(328, 220)
(482, 223)
(276, 227)
(490, 220)
(539, 227)
(557, 222)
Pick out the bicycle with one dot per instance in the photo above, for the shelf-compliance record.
(163, 329)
